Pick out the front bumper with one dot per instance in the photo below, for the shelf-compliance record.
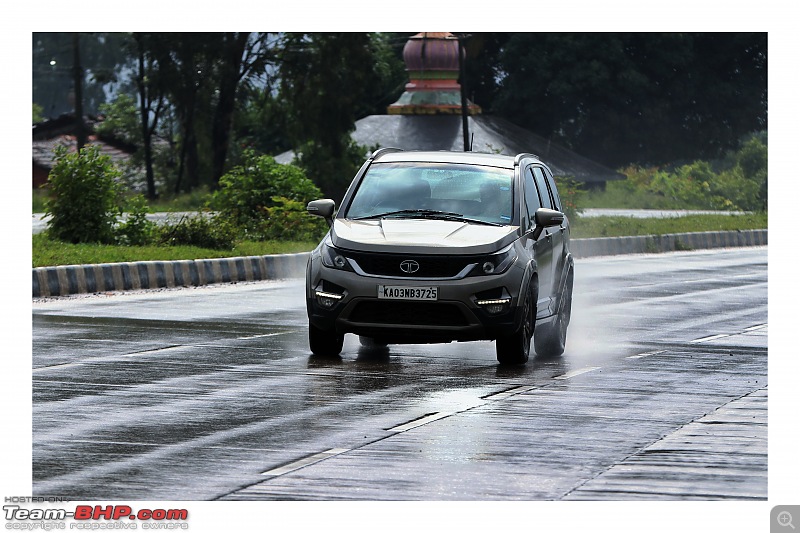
(454, 316)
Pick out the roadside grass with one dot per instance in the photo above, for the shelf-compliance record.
(47, 252)
(629, 226)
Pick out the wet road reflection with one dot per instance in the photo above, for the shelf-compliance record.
(194, 394)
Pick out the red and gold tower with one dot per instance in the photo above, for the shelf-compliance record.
(433, 68)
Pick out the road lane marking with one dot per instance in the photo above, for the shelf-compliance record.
(711, 338)
(260, 336)
(645, 354)
(502, 395)
(577, 372)
(154, 350)
(419, 422)
(754, 328)
(55, 367)
(310, 460)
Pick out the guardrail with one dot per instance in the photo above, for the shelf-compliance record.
(77, 279)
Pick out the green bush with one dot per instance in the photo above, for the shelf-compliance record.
(120, 120)
(571, 192)
(740, 183)
(247, 192)
(752, 161)
(136, 230)
(288, 220)
(202, 230)
(85, 197)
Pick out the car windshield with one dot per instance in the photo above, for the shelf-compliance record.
(426, 190)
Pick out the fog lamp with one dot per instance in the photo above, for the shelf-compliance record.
(494, 307)
(328, 299)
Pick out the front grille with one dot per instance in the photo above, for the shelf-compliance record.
(409, 313)
(430, 266)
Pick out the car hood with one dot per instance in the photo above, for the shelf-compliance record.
(420, 236)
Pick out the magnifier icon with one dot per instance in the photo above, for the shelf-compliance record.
(785, 519)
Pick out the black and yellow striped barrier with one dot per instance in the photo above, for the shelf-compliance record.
(76, 279)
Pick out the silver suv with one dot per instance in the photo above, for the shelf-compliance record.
(432, 247)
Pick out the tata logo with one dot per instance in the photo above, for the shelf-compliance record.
(409, 266)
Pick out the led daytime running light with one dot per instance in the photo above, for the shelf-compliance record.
(330, 295)
(501, 301)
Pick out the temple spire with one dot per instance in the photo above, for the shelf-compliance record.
(432, 64)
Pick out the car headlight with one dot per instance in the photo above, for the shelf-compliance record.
(333, 258)
(496, 263)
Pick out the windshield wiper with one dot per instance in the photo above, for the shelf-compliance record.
(478, 221)
(429, 213)
(411, 212)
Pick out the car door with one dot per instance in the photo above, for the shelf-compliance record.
(560, 234)
(548, 237)
(541, 249)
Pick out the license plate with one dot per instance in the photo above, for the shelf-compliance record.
(396, 292)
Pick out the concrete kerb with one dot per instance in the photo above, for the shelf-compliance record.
(77, 279)
(582, 248)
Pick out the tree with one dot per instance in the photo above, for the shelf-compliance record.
(644, 98)
(201, 74)
(483, 67)
(242, 57)
(324, 77)
(103, 57)
(182, 66)
(259, 123)
(151, 104)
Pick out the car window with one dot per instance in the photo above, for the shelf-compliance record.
(541, 184)
(553, 190)
(532, 201)
(483, 193)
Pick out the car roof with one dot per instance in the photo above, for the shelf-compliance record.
(470, 158)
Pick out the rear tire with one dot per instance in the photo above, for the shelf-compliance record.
(551, 339)
(515, 349)
(324, 343)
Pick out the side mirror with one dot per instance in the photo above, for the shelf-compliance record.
(546, 218)
(322, 208)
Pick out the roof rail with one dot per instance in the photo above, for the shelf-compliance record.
(519, 157)
(381, 151)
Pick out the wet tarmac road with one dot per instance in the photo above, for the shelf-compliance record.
(211, 393)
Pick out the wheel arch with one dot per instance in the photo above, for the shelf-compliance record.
(566, 272)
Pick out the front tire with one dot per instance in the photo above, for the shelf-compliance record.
(324, 343)
(515, 349)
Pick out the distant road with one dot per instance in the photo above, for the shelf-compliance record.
(39, 222)
(651, 213)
